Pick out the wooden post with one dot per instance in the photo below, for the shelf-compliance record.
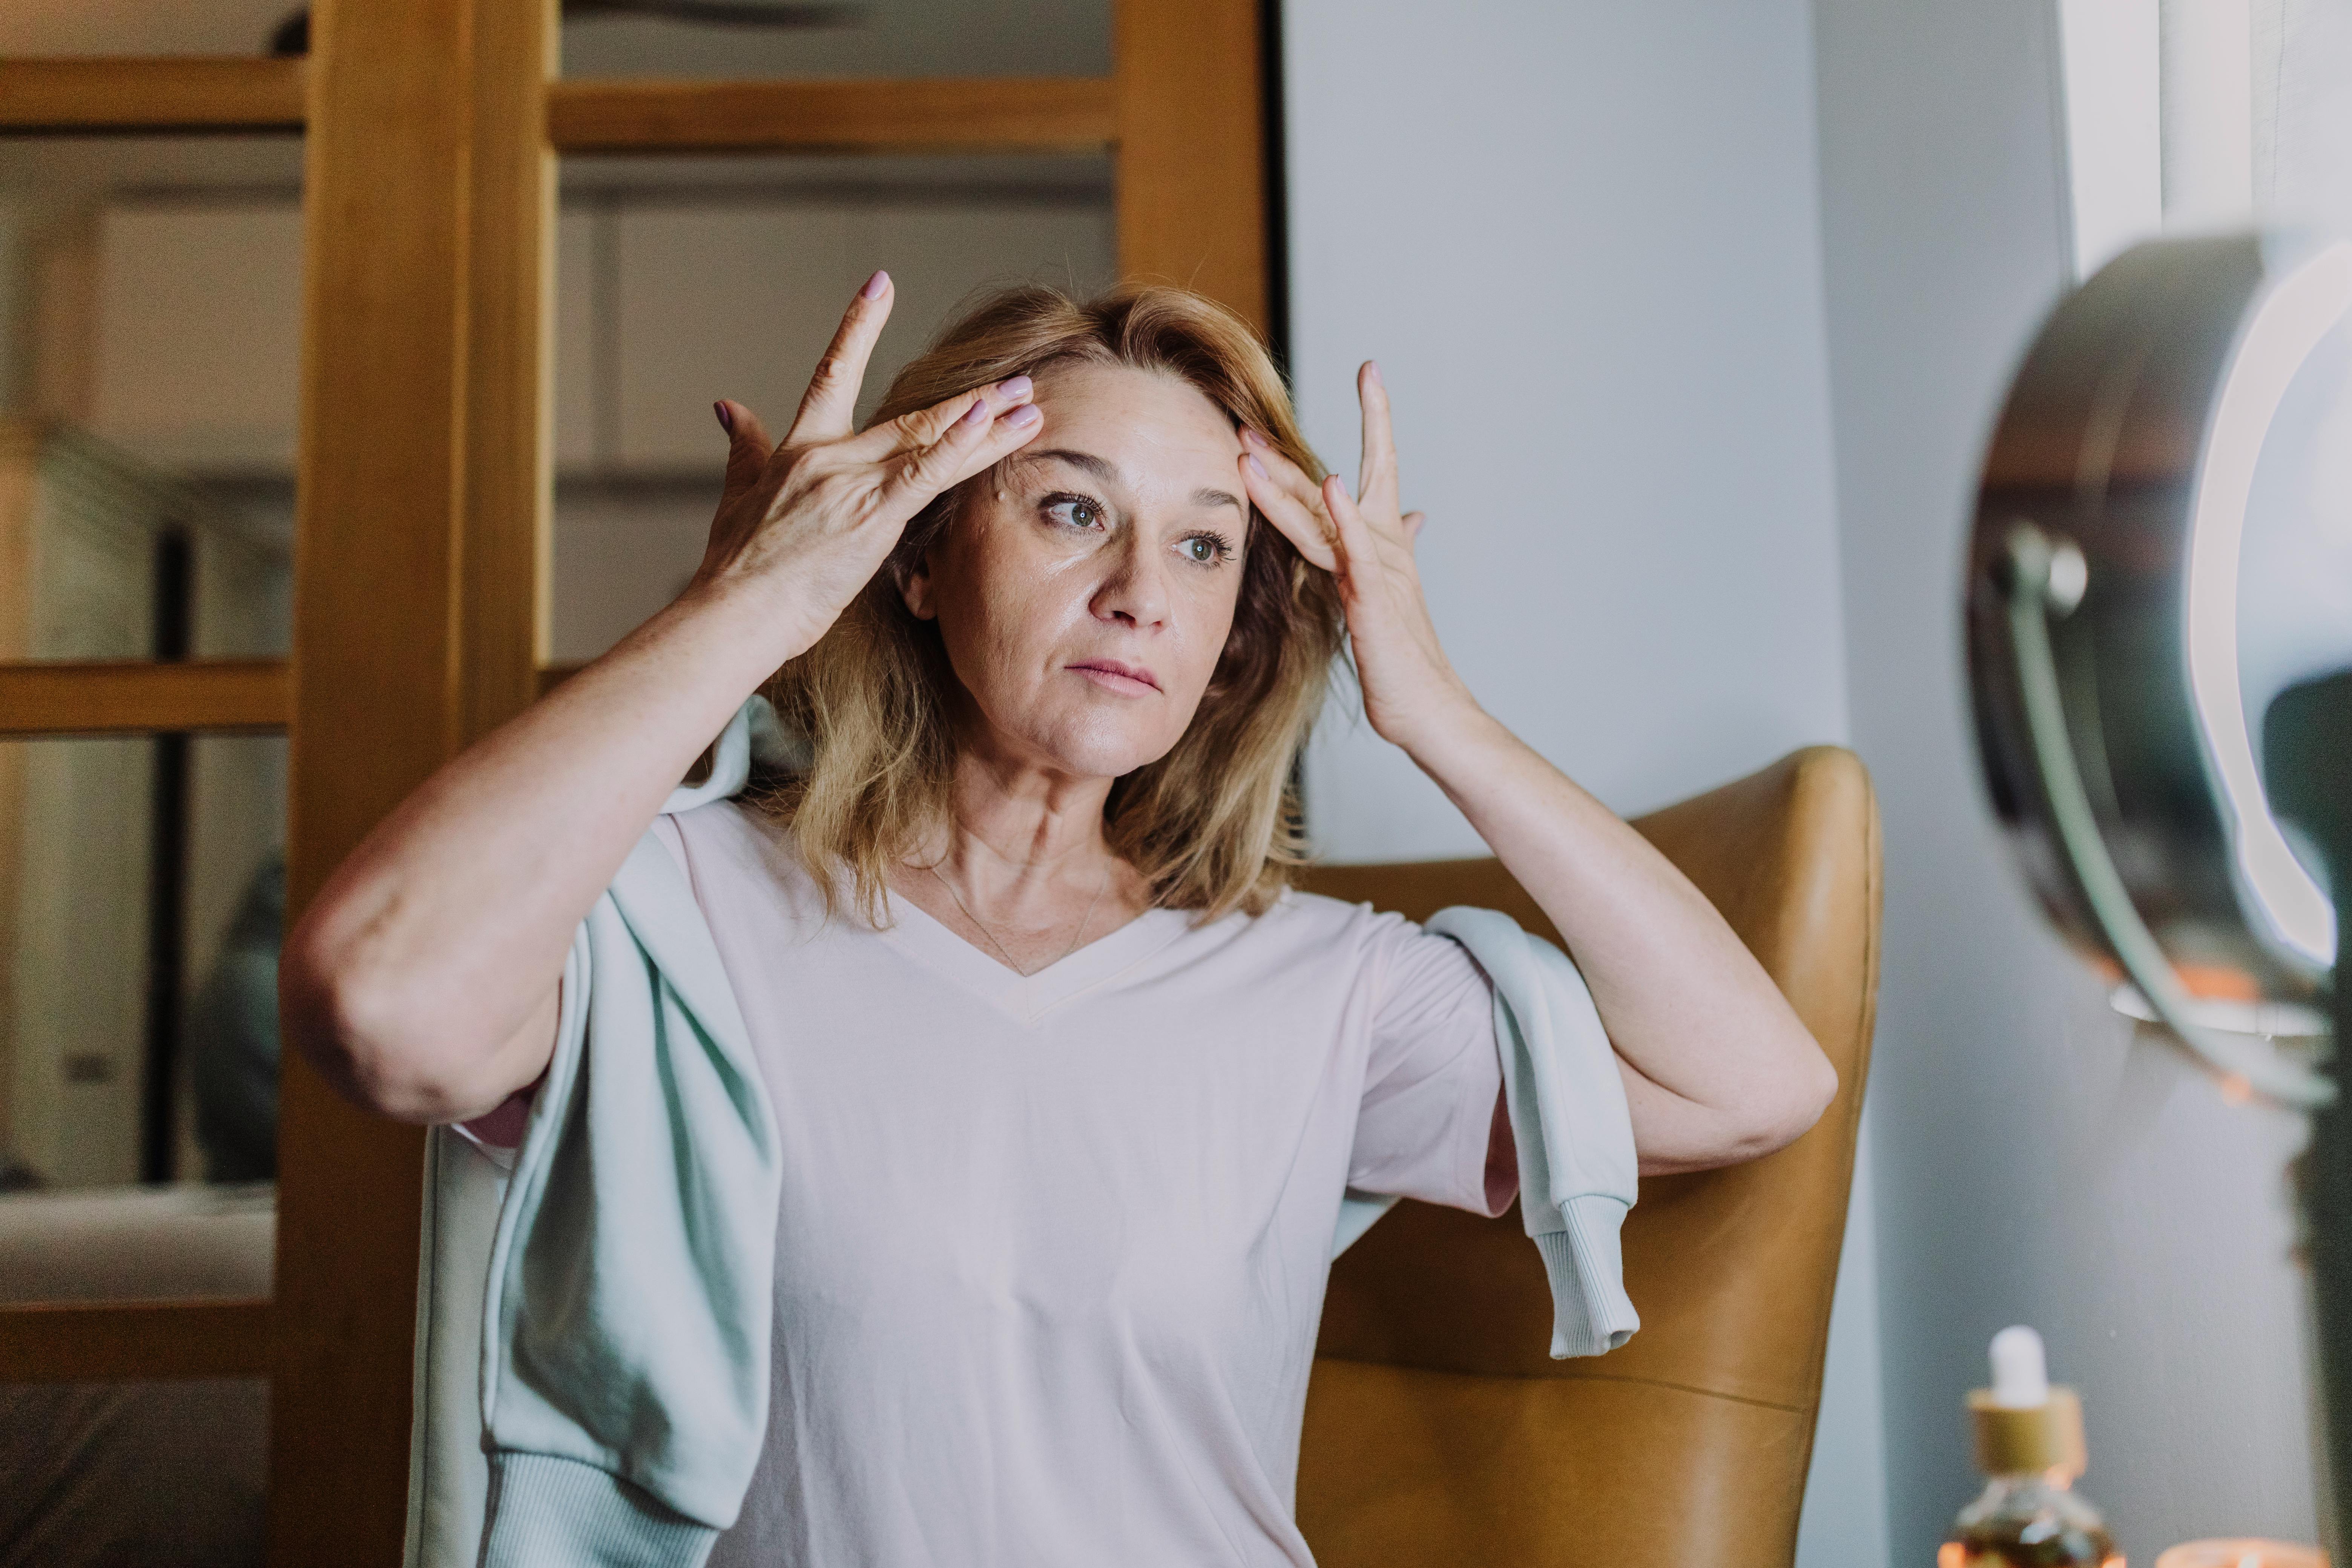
(420, 528)
(1191, 148)
(507, 553)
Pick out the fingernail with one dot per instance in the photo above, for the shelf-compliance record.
(1372, 373)
(1023, 416)
(1258, 468)
(726, 419)
(1251, 438)
(875, 285)
(977, 414)
(1018, 386)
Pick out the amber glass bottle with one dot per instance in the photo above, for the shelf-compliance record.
(2029, 1441)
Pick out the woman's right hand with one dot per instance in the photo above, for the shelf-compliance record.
(423, 980)
(804, 524)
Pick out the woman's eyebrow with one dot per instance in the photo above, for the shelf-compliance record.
(1107, 473)
(1086, 462)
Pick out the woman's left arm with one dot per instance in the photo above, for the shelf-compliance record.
(1717, 1068)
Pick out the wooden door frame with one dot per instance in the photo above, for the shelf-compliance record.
(423, 534)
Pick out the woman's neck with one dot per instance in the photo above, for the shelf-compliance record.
(1021, 868)
(1013, 829)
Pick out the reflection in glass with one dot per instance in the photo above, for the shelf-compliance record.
(799, 38)
(680, 280)
(738, 38)
(139, 30)
(149, 321)
(141, 903)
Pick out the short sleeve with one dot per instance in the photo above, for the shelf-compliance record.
(1428, 1126)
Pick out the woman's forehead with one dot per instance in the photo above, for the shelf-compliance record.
(1147, 427)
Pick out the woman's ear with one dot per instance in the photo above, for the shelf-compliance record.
(914, 588)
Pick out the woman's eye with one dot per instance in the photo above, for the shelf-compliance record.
(1074, 513)
(1204, 549)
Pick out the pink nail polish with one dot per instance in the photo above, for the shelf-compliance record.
(1017, 386)
(1251, 438)
(1023, 416)
(726, 420)
(975, 414)
(1372, 373)
(1258, 468)
(875, 285)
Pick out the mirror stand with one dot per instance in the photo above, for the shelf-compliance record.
(2307, 745)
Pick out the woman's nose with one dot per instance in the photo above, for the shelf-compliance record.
(1136, 592)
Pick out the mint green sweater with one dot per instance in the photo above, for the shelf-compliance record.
(610, 1296)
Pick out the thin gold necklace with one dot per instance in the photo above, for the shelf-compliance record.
(1010, 961)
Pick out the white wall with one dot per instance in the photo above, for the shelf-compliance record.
(2032, 1165)
(1582, 240)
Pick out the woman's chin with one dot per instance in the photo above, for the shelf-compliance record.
(1090, 748)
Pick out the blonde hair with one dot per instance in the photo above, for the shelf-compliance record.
(1213, 826)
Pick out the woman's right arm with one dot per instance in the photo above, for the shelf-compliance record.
(422, 979)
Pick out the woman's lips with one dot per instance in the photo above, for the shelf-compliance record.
(1129, 679)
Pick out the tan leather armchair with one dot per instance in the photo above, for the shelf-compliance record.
(1438, 1429)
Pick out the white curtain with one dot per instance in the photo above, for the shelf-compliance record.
(2192, 114)
(2301, 108)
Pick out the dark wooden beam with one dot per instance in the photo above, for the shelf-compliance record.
(1051, 114)
(125, 1341)
(147, 97)
(132, 697)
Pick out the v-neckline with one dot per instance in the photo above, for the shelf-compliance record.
(935, 944)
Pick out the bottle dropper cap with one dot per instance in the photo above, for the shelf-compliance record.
(2022, 1423)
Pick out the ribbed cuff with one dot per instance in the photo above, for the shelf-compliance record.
(551, 1512)
(1590, 1314)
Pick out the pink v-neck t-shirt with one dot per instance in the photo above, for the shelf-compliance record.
(1051, 1251)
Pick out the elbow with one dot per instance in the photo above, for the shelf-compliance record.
(1801, 1092)
(1774, 1101)
(361, 1027)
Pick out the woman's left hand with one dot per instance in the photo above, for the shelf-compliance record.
(1717, 1065)
(1368, 544)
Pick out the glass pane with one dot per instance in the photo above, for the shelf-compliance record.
(35, 29)
(858, 38)
(141, 905)
(150, 355)
(737, 39)
(682, 280)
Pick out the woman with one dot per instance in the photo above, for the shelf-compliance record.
(1065, 1085)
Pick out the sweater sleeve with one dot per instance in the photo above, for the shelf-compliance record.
(1574, 1131)
(631, 1276)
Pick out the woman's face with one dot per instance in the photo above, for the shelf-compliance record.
(1085, 588)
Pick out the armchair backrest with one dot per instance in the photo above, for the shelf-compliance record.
(1438, 1428)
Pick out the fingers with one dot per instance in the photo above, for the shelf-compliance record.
(924, 427)
(1299, 521)
(1281, 469)
(748, 447)
(1377, 480)
(985, 433)
(830, 405)
(1357, 548)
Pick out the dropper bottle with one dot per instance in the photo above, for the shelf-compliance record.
(2029, 1440)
